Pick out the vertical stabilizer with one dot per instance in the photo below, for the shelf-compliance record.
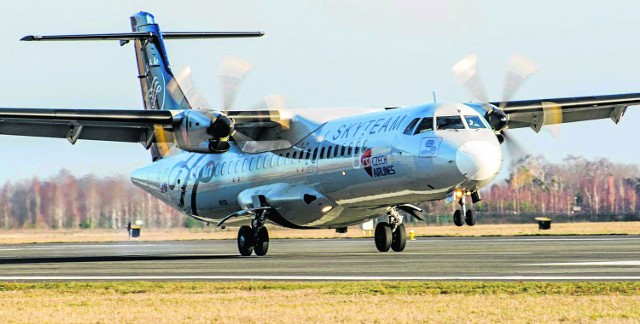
(156, 78)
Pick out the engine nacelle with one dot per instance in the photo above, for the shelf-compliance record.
(204, 131)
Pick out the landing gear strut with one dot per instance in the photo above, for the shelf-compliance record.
(391, 234)
(255, 237)
(465, 215)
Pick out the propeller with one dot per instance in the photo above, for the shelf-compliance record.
(231, 74)
(518, 69)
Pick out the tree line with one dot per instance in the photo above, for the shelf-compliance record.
(66, 201)
(575, 186)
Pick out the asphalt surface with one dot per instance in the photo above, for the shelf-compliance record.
(492, 258)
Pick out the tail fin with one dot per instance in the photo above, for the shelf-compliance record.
(154, 73)
(160, 91)
(154, 70)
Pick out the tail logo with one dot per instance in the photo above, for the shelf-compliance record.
(156, 90)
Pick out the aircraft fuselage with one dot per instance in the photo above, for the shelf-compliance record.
(359, 166)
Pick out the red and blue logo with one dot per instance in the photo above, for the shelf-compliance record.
(376, 165)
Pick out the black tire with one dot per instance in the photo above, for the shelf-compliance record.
(262, 242)
(245, 240)
(383, 237)
(457, 218)
(399, 239)
(470, 217)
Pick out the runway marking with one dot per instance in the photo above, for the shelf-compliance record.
(81, 246)
(590, 263)
(316, 278)
(526, 239)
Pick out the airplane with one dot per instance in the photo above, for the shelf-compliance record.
(324, 169)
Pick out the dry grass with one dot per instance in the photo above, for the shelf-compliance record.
(259, 302)
(49, 236)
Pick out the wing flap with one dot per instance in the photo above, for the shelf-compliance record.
(113, 125)
(530, 113)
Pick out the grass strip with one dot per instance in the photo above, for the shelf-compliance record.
(319, 302)
(599, 288)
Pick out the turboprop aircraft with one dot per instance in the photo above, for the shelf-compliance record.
(253, 167)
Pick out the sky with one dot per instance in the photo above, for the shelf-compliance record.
(330, 53)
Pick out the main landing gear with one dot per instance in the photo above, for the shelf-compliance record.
(391, 234)
(465, 215)
(254, 238)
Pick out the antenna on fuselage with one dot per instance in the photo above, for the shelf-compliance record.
(434, 96)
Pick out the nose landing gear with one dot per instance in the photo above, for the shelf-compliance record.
(391, 234)
(460, 217)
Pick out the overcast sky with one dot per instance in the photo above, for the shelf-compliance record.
(321, 54)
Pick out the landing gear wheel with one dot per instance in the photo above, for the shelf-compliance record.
(457, 218)
(399, 238)
(245, 240)
(262, 242)
(383, 237)
(470, 217)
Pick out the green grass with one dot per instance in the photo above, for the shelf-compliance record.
(319, 302)
(341, 288)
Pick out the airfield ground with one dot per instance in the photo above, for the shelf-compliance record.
(208, 233)
(54, 301)
(375, 302)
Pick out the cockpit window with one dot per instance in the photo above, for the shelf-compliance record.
(411, 126)
(474, 122)
(449, 122)
(426, 124)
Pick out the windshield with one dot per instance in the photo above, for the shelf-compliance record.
(449, 122)
(425, 125)
(474, 122)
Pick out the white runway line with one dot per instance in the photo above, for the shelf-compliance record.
(80, 246)
(549, 239)
(317, 278)
(590, 263)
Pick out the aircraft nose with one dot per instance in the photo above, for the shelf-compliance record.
(479, 160)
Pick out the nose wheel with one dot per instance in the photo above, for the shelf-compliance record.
(468, 216)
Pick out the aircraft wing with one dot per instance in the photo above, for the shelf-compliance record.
(93, 124)
(540, 112)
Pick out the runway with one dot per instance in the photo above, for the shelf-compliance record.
(487, 258)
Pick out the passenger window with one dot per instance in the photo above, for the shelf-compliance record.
(350, 149)
(449, 122)
(236, 168)
(329, 152)
(295, 155)
(286, 160)
(344, 150)
(474, 122)
(273, 160)
(253, 165)
(411, 126)
(335, 153)
(322, 153)
(244, 165)
(425, 125)
(222, 168)
(315, 154)
(357, 148)
(364, 146)
(308, 154)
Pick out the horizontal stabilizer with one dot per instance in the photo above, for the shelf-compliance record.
(141, 35)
